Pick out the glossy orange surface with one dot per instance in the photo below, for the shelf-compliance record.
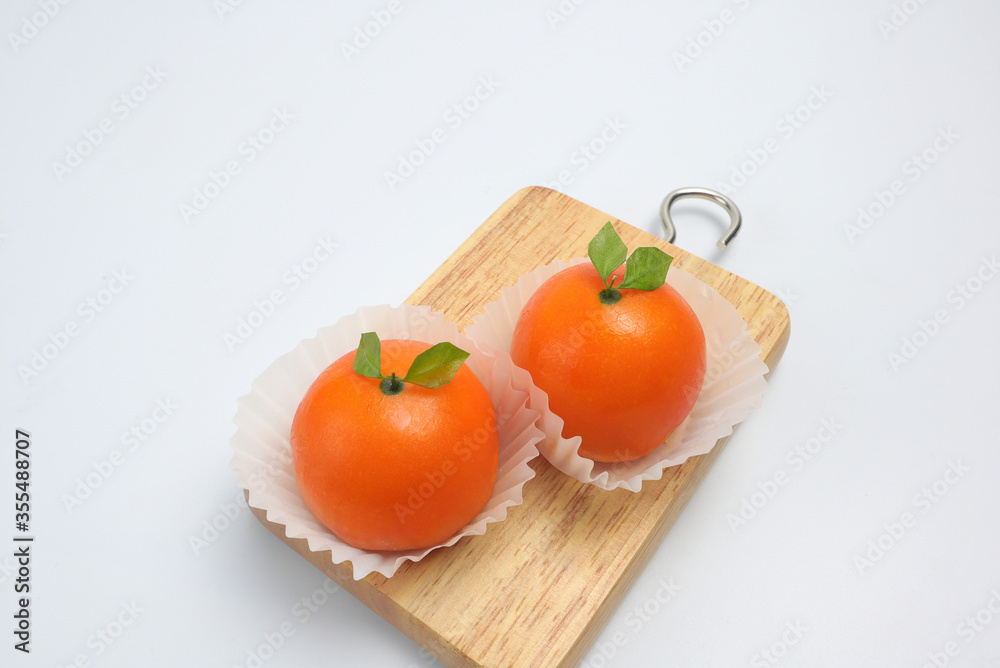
(622, 376)
(394, 472)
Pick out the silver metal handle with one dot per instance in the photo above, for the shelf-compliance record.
(670, 232)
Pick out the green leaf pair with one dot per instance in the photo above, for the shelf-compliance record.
(432, 368)
(645, 269)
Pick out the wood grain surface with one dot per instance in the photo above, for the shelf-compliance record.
(536, 589)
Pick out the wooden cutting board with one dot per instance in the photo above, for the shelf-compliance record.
(536, 589)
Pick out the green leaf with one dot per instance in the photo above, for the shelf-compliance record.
(368, 361)
(646, 269)
(436, 366)
(607, 251)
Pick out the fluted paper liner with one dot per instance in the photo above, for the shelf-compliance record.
(734, 381)
(262, 451)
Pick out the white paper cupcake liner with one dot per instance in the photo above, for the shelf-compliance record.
(262, 451)
(734, 381)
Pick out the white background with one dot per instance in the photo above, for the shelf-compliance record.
(881, 94)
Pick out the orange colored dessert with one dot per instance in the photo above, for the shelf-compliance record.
(395, 462)
(622, 361)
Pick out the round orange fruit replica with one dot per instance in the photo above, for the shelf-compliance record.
(619, 352)
(396, 462)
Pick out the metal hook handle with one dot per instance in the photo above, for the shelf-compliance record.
(670, 232)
